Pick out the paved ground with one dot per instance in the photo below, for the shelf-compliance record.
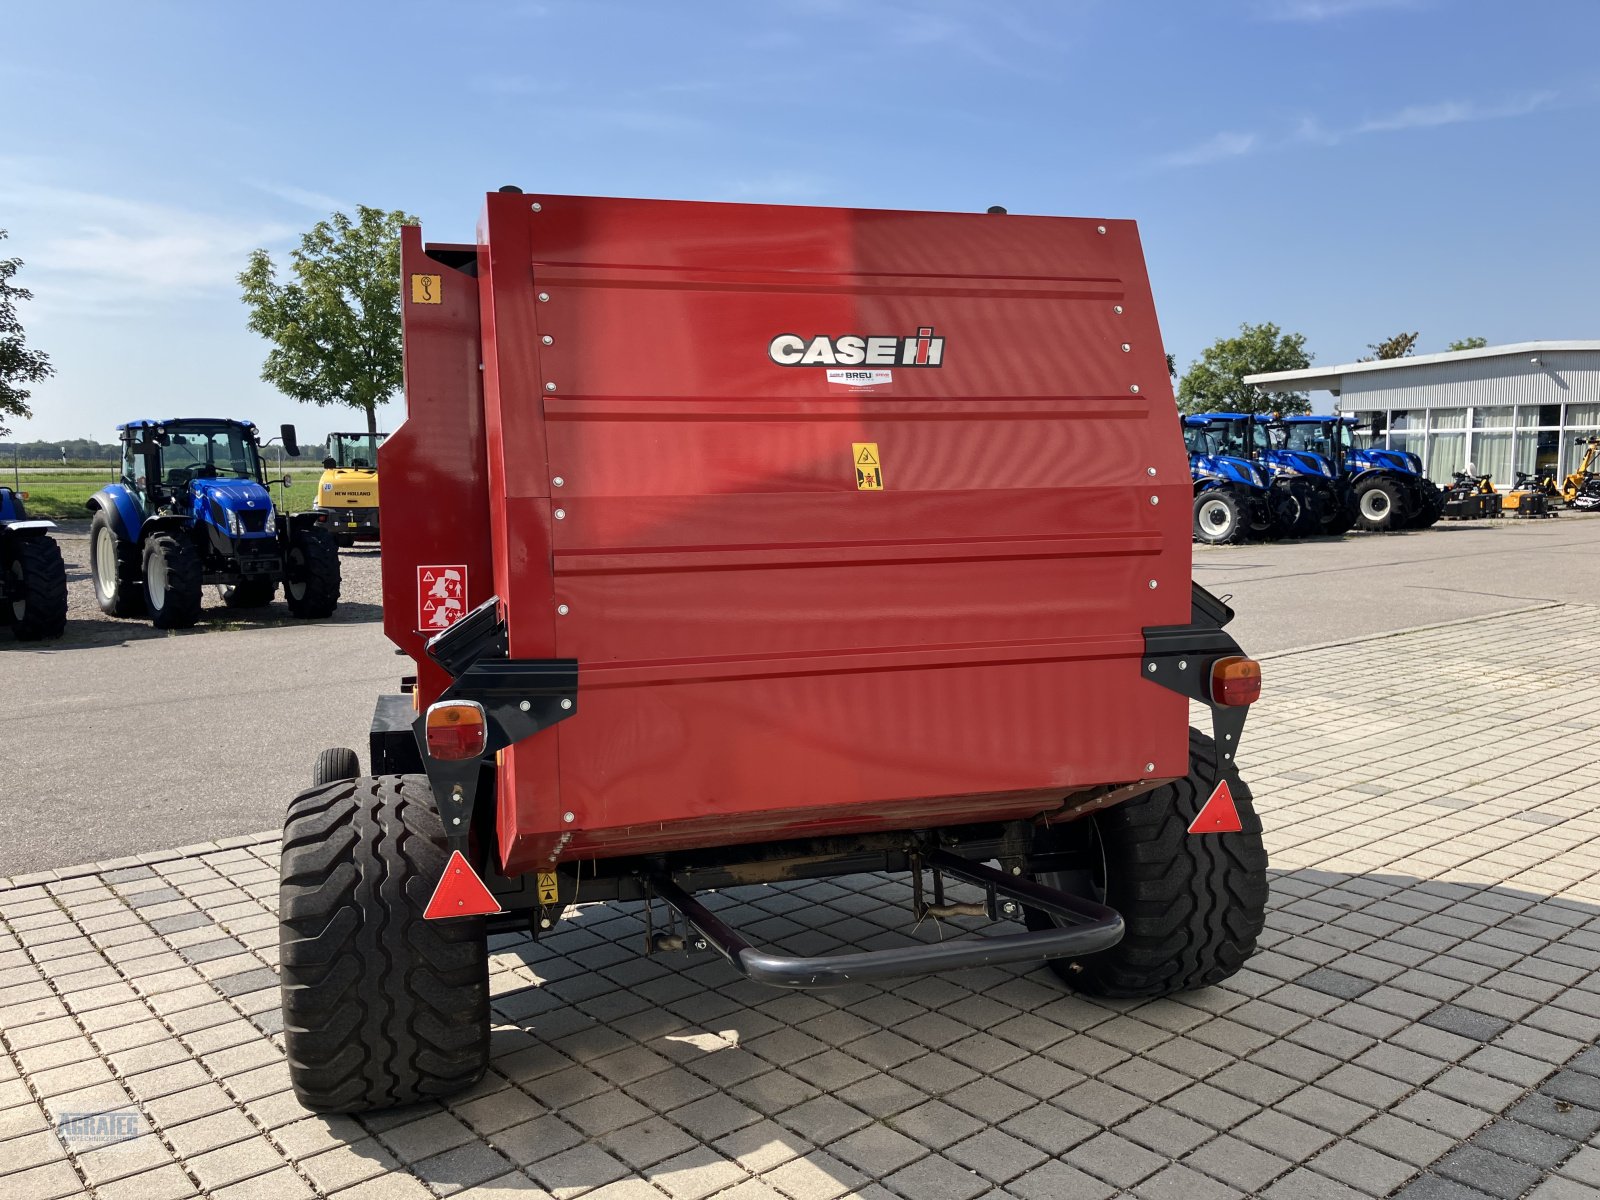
(123, 739)
(1421, 1021)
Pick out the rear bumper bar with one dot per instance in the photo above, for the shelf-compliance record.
(1089, 927)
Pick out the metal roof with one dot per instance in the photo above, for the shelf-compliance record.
(1330, 379)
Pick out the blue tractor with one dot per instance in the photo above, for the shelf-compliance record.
(1385, 489)
(1233, 497)
(33, 579)
(1303, 495)
(192, 508)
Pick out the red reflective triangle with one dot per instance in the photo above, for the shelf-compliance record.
(1219, 814)
(460, 892)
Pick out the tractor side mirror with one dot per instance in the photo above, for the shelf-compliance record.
(330, 463)
(287, 480)
(291, 444)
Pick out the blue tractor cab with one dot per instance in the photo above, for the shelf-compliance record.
(1232, 495)
(33, 579)
(1306, 495)
(1386, 489)
(192, 508)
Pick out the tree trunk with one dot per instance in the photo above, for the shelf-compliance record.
(372, 420)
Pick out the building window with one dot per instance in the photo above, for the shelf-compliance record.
(1447, 442)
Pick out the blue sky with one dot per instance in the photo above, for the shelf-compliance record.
(1347, 168)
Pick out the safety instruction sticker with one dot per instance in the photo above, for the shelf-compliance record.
(441, 596)
(869, 467)
(427, 289)
(547, 887)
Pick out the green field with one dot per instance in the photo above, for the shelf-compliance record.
(61, 495)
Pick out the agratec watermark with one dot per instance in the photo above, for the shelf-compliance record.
(89, 1131)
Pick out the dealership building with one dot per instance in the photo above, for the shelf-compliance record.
(1503, 409)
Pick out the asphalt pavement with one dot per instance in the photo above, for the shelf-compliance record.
(150, 743)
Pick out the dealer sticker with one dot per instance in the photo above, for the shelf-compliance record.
(441, 596)
(861, 378)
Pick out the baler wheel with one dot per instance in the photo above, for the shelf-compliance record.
(380, 1007)
(335, 765)
(1379, 507)
(311, 580)
(1193, 904)
(174, 582)
(39, 585)
(114, 568)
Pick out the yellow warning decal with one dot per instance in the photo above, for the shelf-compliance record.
(427, 289)
(869, 467)
(547, 887)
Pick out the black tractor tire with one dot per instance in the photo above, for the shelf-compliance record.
(335, 765)
(344, 541)
(174, 582)
(380, 1007)
(37, 581)
(1430, 506)
(1380, 506)
(1218, 518)
(250, 593)
(1295, 515)
(311, 574)
(116, 588)
(1193, 904)
(1340, 522)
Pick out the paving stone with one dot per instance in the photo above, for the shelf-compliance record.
(1488, 1171)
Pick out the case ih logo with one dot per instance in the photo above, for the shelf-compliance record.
(853, 350)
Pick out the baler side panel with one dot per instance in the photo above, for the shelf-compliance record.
(435, 500)
(765, 649)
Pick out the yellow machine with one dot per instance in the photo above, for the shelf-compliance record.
(348, 489)
(1582, 481)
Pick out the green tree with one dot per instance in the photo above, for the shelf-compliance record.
(1216, 382)
(335, 325)
(1172, 367)
(18, 364)
(1399, 346)
(1470, 343)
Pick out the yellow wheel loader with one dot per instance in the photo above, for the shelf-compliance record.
(348, 489)
(1581, 489)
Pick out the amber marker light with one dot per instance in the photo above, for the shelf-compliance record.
(1235, 681)
(456, 729)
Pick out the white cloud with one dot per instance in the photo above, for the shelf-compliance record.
(317, 201)
(1214, 149)
(1454, 112)
(90, 252)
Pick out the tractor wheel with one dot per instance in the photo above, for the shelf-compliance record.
(251, 593)
(114, 567)
(1340, 522)
(1218, 518)
(311, 580)
(1379, 507)
(37, 583)
(174, 582)
(1193, 904)
(1430, 507)
(344, 540)
(335, 765)
(380, 1007)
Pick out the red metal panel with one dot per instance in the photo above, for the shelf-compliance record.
(436, 494)
(764, 649)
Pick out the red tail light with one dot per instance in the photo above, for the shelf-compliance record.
(456, 729)
(1235, 681)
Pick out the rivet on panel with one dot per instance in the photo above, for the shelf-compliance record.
(1134, 388)
(1099, 228)
(560, 514)
(1183, 664)
(525, 705)
(1151, 667)
(544, 297)
(1117, 308)
(1149, 767)
(1126, 349)
(1155, 499)
(1149, 470)
(548, 340)
(560, 482)
(550, 387)
(537, 207)
(562, 610)
(1152, 585)
(568, 818)
(566, 703)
